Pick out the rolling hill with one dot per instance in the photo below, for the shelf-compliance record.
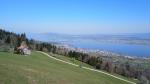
(40, 69)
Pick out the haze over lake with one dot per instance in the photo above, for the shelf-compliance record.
(132, 45)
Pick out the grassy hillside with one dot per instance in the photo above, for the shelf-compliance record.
(71, 60)
(39, 69)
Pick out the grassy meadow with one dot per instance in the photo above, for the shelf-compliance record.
(40, 69)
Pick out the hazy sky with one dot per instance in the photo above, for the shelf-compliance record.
(75, 16)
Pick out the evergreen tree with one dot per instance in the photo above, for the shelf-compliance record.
(8, 40)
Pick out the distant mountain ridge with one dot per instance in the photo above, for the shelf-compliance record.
(64, 37)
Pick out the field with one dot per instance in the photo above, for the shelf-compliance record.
(40, 69)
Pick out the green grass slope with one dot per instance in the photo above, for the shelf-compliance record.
(40, 69)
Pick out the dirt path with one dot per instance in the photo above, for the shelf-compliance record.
(87, 68)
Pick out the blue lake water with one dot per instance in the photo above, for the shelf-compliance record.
(126, 49)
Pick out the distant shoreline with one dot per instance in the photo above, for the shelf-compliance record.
(98, 51)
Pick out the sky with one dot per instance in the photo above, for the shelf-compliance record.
(75, 16)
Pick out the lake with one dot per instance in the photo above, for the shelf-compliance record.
(140, 50)
(126, 49)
